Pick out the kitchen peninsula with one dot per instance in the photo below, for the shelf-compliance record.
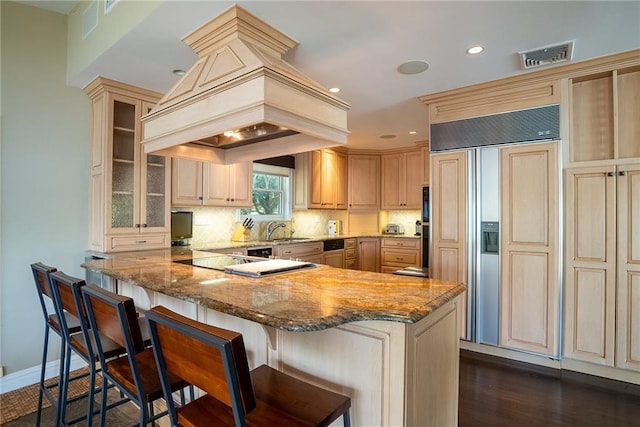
(390, 342)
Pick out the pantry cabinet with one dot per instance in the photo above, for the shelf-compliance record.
(402, 176)
(128, 190)
(529, 248)
(602, 280)
(364, 182)
(197, 183)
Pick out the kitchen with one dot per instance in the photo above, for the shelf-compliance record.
(66, 219)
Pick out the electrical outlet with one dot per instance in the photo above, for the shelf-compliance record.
(1, 371)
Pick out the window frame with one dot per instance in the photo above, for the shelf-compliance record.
(286, 205)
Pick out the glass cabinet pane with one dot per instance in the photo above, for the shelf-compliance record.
(155, 197)
(123, 165)
(121, 210)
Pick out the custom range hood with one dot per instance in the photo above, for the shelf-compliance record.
(240, 101)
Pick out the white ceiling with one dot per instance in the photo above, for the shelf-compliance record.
(358, 46)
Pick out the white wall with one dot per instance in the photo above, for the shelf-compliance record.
(44, 173)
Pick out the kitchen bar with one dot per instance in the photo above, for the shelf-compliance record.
(390, 342)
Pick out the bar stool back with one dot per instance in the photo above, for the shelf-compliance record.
(215, 360)
(41, 274)
(135, 373)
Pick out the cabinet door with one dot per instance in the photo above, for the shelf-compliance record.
(369, 254)
(425, 166)
(301, 182)
(215, 184)
(186, 182)
(241, 184)
(124, 197)
(329, 184)
(391, 181)
(628, 301)
(341, 180)
(449, 216)
(412, 188)
(529, 257)
(364, 182)
(333, 258)
(315, 186)
(590, 287)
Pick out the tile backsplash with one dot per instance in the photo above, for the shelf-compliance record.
(217, 224)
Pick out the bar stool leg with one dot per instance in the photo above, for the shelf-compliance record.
(346, 419)
(42, 375)
(63, 384)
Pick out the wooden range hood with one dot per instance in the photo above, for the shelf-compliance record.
(240, 101)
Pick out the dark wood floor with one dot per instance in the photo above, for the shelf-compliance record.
(495, 392)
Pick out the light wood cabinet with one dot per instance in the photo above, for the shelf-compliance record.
(425, 165)
(334, 258)
(449, 216)
(529, 271)
(397, 253)
(351, 254)
(321, 180)
(602, 279)
(364, 182)
(605, 115)
(402, 180)
(207, 184)
(128, 189)
(310, 252)
(369, 254)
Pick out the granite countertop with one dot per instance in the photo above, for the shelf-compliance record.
(305, 300)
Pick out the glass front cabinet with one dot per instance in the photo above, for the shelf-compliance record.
(129, 190)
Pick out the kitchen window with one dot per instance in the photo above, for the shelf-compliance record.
(271, 194)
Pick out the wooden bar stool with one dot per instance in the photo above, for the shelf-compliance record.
(214, 360)
(41, 274)
(66, 292)
(135, 373)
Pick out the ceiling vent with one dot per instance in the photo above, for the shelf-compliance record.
(547, 55)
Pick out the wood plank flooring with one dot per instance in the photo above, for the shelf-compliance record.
(493, 393)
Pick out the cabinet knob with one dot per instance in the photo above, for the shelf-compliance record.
(233, 200)
(144, 225)
(622, 173)
(137, 225)
(200, 198)
(610, 174)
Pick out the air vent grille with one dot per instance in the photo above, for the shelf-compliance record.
(547, 55)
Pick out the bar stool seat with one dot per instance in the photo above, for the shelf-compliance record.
(214, 360)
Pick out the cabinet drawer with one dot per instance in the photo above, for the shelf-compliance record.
(399, 257)
(401, 243)
(350, 243)
(351, 264)
(350, 253)
(138, 242)
(299, 250)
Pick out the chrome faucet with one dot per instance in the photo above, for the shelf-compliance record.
(272, 227)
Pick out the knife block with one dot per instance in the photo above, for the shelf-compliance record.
(241, 234)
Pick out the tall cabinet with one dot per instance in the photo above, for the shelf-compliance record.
(128, 190)
(602, 199)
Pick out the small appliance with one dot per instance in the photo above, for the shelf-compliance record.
(393, 229)
(333, 227)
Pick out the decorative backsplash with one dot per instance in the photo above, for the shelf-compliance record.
(213, 224)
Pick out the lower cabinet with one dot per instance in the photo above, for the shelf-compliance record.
(310, 252)
(400, 252)
(351, 254)
(334, 258)
(369, 254)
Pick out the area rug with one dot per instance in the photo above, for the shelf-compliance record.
(24, 401)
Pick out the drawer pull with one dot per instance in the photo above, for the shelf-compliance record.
(140, 241)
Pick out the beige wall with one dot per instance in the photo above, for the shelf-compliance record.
(44, 174)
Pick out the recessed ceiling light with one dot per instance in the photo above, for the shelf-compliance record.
(413, 67)
(474, 50)
(387, 136)
(334, 89)
(178, 72)
(413, 132)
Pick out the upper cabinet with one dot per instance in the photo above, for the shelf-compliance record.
(129, 190)
(320, 180)
(402, 176)
(208, 184)
(364, 182)
(605, 115)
